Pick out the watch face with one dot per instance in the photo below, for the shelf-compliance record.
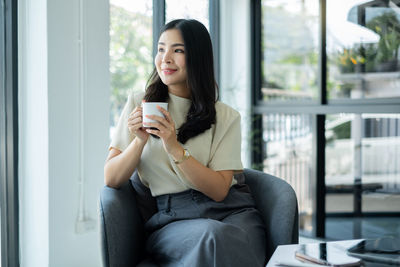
(186, 153)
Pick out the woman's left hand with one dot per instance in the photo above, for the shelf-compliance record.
(165, 130)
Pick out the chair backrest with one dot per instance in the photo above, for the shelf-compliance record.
(277, 203)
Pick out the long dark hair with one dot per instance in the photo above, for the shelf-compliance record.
(200, 79)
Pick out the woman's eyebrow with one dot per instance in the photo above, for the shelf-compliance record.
(173, 45)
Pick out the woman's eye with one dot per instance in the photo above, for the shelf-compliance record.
(179, 51)
(160, 49)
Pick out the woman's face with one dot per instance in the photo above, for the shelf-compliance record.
(170, 60)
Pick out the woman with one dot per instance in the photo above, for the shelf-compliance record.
(187, 158)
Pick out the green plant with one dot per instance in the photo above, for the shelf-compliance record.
(387, 26)
(349, 58)
(362, 57)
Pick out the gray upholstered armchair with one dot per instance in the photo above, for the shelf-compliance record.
(123, 211)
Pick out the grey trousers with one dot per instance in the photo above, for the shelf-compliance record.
(190, 229)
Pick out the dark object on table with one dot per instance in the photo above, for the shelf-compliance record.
(382, 250)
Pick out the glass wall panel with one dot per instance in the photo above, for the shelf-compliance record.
(290, 49)
(339, 153)
(362, 170)
(287, 142)
(362, 150)
(363, 39)
(187, 9)
(131, 60)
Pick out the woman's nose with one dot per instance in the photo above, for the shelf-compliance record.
(166, 57)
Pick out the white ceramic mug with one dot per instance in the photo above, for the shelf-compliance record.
(150, 108)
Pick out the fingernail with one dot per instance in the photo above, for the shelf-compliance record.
(143, 101)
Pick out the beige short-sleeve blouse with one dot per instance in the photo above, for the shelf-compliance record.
(218, 148)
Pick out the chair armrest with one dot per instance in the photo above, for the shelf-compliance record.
(277, 203)
(122, 231)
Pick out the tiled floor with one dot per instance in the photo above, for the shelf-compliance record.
(356, 228)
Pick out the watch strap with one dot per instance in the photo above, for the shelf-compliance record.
(186, 155)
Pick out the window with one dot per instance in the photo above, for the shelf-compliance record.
(362, 169)
(184, 9)
(288, 143)
(131, 42)
(289, 73)
(290, 50)
(326, 95)
(363, 60)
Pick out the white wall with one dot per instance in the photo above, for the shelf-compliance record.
(64, 125)
(235, 48)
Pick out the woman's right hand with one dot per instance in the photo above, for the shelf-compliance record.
(135, 124)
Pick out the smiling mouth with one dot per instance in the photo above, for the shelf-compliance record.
(168, 71)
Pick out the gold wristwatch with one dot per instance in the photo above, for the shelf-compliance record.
(186, 155)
